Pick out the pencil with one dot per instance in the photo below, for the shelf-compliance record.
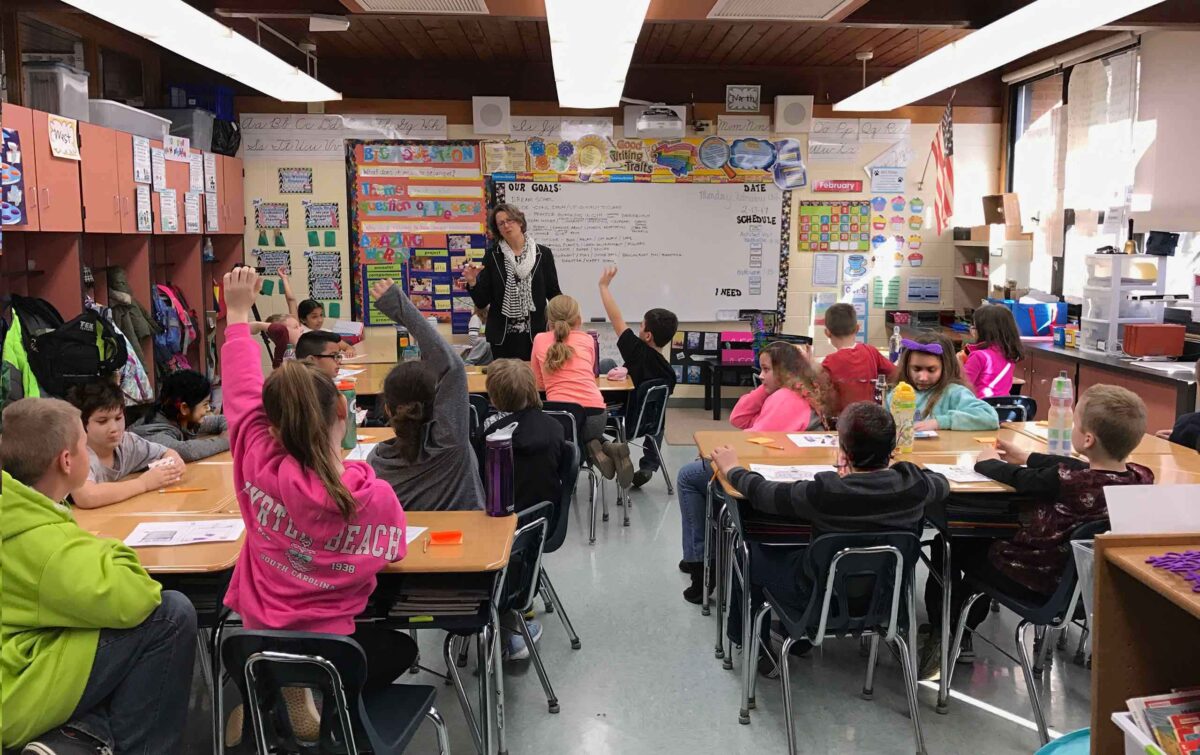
(182, 490)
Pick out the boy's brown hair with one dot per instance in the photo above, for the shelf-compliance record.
(841, 320)
(511, 386)
(1116, 416)
(36, 431)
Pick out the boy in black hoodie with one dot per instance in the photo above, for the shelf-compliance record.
(538, 440)
(864, 494)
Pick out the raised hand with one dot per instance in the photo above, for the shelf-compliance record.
(610, 272)
(241, 287)
(381, 287)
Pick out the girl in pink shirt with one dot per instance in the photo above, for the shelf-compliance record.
(564, 365)
(318, 529)
(990, 361)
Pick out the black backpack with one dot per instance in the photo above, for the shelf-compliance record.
(66, 354)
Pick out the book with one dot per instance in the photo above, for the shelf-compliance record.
(1153, 714)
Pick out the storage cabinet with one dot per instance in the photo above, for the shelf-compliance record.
(20, 119)
(231, 196)
(101, 189)
(59, 205)
(126, 187)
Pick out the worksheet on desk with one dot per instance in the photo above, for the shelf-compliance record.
(814, 440)
(791, 473)
(156, 534)
(957, 472)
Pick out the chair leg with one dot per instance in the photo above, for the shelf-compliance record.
(910, 689)
(439, 726)
(1030, 683)
(729, 542)
(662, 465)
(498, 679)
(758, 625)
(943, 700)
(461, 691)
(603, 499)
(950, 658)
(487, 714)
(622, 496)
(1043, 650)
(592, 505)
(551, 698)
(709, 538)
(868, 690)
(785, 668)
(1080, 655)
(749, 662)
(218, 688)
(561, 610)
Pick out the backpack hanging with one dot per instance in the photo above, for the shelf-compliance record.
(77, 352)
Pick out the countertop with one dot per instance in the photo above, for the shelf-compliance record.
(1116, 362)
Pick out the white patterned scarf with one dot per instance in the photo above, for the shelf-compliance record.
(518, 280)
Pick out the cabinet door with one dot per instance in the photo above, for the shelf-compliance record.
(126, 186)
(177, 179)
(219, 213)
(1043, 368)
(21, 119)
(233, 208)
(1160, 398)
(101, 198)
(59, 205)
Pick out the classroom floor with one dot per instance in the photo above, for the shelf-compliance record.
(646, 681)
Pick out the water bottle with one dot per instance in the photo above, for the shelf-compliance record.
(880, 389)
(350, 439)
(904, 410)
(1062, 416)
(498, 468)
(894, 344)
(595, 351)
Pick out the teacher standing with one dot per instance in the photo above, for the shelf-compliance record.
(515, 282)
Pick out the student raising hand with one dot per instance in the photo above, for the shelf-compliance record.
(241, 286)
(606, 277)
(381, 287)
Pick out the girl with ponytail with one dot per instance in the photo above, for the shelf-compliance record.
(563, 359)
(318, 528)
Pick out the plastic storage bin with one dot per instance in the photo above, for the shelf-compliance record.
(192, 122)
(57, 88)
(1084, 552)
(130, 119)
(1096, 304)
(1136, 740)
(1091, 334)
(1078, 742)
(1139, 271)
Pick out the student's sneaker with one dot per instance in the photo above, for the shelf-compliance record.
(929, 659)
(603, 462)
(234, 725)
(302, 710)
(619, 452)
(693, 593)
(641, 477)
(65, 741)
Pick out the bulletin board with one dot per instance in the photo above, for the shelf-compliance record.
(824, 226)
(417, 210)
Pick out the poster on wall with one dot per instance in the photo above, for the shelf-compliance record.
(210, 172)
(141, 160)
(324, 275)
(191, 212)
(195, 172)
(321, 214)
(504, 157)
(825, 269)
(145, 217)
(212, 220)
(888, 180)
(832, 226)
(886, 292)
(270, 214)
(273, 259)
(169, 209)
(295, 180)
(884, 129)
(12, 179)
(176, 148)
(158, 169)
(64, 136)
(370, 274)
(924, 290)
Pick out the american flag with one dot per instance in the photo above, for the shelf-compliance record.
(943, 153)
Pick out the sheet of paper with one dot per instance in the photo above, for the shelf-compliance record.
(345, 327)
(349, 373)
(158, 168)
(1147, 510)
(792, 473)
(825, 269)
(814, 440)
(412, 533)
(148, 534)
(361, 452)
(957, 473)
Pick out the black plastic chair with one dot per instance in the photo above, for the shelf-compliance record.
(571, 417)
(480, 411)
(1013, 408)
(648, 408)
(857, 584)
(1051, 613)
(556, 534)
(383, 722)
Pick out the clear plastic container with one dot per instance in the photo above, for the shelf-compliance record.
(1084, 552)
(1092, 333)
(130, 119)
(57, 88)
(1137, 742)
(192, 122)
(1097, 305)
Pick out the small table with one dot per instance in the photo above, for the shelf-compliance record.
(716, 371)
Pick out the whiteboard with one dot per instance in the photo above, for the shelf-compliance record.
(695, 249)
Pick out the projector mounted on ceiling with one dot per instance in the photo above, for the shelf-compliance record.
(656, 119)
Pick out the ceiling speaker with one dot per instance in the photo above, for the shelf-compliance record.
(793, 113)
(490, 115)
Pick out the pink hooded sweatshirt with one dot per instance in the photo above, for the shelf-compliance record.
(781, 411)
(302, 567)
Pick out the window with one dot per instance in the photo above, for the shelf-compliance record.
(1036, 107)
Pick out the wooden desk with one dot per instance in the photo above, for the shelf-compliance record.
(216, 479)
(1150, 444)
(948, 441)
(1143, 630)
(370, 381)
(201, 558)
(487, 541)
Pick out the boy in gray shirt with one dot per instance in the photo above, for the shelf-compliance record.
(113, 454)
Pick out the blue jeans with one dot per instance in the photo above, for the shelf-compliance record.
(136, 698)
(693, 502)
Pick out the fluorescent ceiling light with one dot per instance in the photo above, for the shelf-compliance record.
(1037, 25)
(186, 31)
(591, 45)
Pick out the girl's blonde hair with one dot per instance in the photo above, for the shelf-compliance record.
(951, 369)
(562, 315)
(793, 370)
(511, 385)
(301, 404)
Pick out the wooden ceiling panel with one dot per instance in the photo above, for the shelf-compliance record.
(728, 42)
(804, 52)
(752, 38)
(673, 49)
(656, 42)
(477, 39)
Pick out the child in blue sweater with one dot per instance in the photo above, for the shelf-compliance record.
(944, 400)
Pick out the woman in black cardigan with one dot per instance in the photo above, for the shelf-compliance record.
(515, 282)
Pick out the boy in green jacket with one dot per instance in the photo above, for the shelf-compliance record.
(91, 655)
